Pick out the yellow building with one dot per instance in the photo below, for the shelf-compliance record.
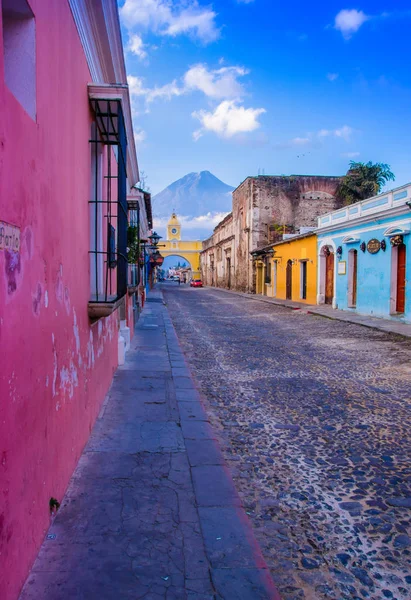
(175, 246)
(287, 270)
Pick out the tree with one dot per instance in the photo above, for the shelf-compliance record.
(364, 180)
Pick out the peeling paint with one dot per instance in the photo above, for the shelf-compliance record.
(76, 332)
(37, 300)
(67, 299)
(46, 299)
(55, 366)
(28, 238)
(90, 351)
(68, 379)
(59, 285)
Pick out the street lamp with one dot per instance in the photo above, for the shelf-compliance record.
(154, 238)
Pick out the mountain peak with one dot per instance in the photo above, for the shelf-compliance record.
(194, 195)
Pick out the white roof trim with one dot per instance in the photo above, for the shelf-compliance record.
(98, 26)
(396, 230)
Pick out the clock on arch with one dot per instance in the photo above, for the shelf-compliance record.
(174, 230)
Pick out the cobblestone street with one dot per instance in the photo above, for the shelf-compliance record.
(313, 417)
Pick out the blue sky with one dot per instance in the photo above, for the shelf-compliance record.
(236, 86)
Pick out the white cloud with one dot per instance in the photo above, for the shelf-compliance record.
(332, 76)
(136, 46)
(206, 222)
(164, 17)
(350, 154)
(350, 21)
(139, 136)
(220, 83)
(345, 132)
(299, 141)
(313, 139)
(136, 86)
(166, 91)
(228, 119)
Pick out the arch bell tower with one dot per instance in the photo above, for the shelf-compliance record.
(174, 228)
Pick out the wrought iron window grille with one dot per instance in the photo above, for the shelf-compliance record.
(108, 203)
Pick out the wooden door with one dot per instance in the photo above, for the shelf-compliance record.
(401, 279)
(354, 278)
(289, 280)
(329, 278)
(228, 273)
(304, 280)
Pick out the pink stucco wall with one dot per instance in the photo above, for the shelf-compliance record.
(55, 368)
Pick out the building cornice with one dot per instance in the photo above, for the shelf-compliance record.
(120, 92)
(225, 240)
(98, 26)
(376, 207)
(376, 218)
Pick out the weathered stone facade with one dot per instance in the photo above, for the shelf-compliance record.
(218, 256)
(263, 208)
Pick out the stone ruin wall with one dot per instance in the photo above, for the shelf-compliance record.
(261, 201)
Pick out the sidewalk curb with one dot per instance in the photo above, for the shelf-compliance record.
(228, 519)
(310, 309)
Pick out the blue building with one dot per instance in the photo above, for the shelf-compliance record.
(364, 256)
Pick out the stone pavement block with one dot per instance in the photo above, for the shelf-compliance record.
(128, 380)
(183, 383)
(197, 430)
(187, 395)
(214, 487)
(89, 511)
(154, 411)
(123, 438)
(190, 411)
(178, 363)
(203, 452)
(70, 557)
(83, 584)
(98, 465)
(244, 584)
(161, 437)
(228, 538)
(180, 372)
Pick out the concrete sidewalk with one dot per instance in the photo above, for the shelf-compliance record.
(151, 511)
(397, 327)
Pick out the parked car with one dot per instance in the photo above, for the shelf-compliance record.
(196, 283)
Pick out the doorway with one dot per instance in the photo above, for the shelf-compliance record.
(289, 280)
(303, 280)
(228, 263)
(329, 278)
(352, 278)
(401, 256)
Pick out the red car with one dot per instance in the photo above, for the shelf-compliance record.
(196, 283)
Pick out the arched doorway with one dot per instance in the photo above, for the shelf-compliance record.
(352, 278)
(289, 280)
(326, 279)
(401, 278)
(329, 278)
(398, 273)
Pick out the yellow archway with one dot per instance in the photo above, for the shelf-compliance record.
(175, 246)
